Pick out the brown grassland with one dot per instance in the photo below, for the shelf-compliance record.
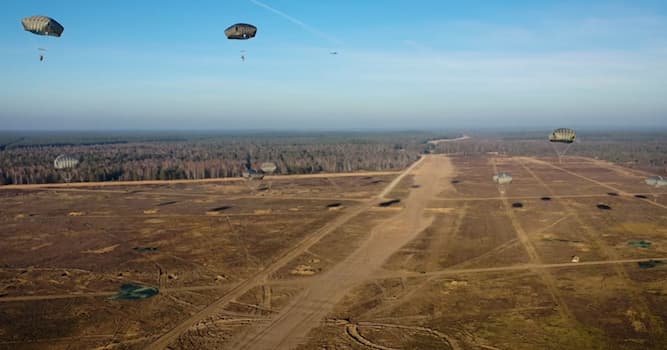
(315, 262)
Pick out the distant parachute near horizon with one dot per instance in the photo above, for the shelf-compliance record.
(65, 161)
(502, 178)
(241, 31)
(562, 136)
(656, 181)
(268, 167)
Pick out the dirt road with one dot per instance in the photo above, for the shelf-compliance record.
(261, 277)
(290, 327)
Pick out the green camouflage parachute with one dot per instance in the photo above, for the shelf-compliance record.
(42, 25)
(241, 31)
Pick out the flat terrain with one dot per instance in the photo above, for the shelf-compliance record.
(436, 257)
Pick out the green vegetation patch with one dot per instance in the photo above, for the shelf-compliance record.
(561, 240)
(650, 263)
(134, 292)
(389, 203)
(640, 244)
(146, 249)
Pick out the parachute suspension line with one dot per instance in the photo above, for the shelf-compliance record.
(567, 148)
(553, 147)
(35, 46)
(559, 154)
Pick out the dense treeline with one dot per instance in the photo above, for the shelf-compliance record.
(207, 156)
(28, 159)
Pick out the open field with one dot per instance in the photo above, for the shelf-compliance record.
(315, 262)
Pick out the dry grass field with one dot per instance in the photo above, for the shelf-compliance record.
(316, 262)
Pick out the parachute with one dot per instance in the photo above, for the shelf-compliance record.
(502, 178)
(562, 136)
(656, 181)
(66, 164)
(268, 167)
(42, 25)
(241, 31)
(65, 161)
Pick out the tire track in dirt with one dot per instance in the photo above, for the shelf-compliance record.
(352, 330)
(469, 271)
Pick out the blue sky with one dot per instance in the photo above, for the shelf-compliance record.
(431, 64)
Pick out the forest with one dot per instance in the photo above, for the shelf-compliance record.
(161, 156)
(27, 158)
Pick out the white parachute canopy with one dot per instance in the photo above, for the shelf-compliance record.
(268, 167)
(502, 178)
(65, 161)
(656, 181)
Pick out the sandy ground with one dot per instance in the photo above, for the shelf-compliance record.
(290, 326)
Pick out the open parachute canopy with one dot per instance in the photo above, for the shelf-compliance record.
(42, 25)
(502, 178)
(65, 161)
(268, 167)
(241, 31)
(563, 135)
(656, 181)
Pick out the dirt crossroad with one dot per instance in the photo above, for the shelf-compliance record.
(290, 327)
(261, 277)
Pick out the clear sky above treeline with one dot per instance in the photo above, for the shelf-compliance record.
(401, 64)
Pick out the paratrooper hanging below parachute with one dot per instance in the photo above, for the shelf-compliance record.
(241, 31)
(42, 26)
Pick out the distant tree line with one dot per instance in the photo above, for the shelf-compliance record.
(211, 157)
(28, 159)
